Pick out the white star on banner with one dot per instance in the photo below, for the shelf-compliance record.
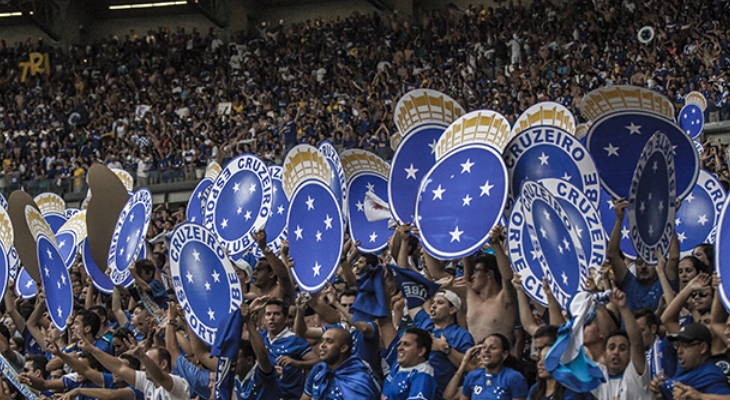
(236, 187)
(196, 255)
(456, 235)
(298, 232)
(703, 219)
(310, 203)
(190, 277)
(467, 201)
(328, 222)
(438, 192)
(485, 189)
(544, 159)
(411, 172)
(373, 237)
(612, 151)
(634, 129)
(216, 276)
(316, 268)
(466, 167)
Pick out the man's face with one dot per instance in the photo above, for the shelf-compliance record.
(347, 302)
(329, 347)
(78, 327)
(408, 351)
(647, 334)
(440, 309)
(28, 368)
(543, 342)
(492, 354)
(691, 354)
(275, 319)
(261, 275)
(617, 354)
(645, 274)
(701, 300)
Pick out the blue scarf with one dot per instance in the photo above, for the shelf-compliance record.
(353, 378)
(416, 288)
(370, 301)
(226, 349)
(699, 378)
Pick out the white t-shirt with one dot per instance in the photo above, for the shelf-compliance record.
(629, 386)
(180, 389)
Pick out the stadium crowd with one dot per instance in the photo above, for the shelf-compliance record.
(151, 104)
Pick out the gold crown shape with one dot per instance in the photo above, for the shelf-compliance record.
(7, 234)
(582, 129)
(37, 224)
(395, 140)
(617, 98)
(547, 113)
(358, 160)
(50, 203)
(212, 170)
(301, 163)
(481, 126)
(697, 99)
(423, 106)
(76, 224)
(125, 177)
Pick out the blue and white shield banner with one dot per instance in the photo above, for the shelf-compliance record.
(25, 286)
(608, 219)
(585, 219)
(337, 181)
(55, 221)
(412, 160)
(523, 256)
(70, 212)
(616, 141)
(56, 282)
(652, 199)
(547, 152)
(699, 146)
(239, 203)
(555, 240)
(129, 235)
(315, 224)
(205, 282)
(461, 199)
(692, 120)
(53, 209)
(4, 269)
(722, 252)
(196, 204)
(373, 235)
(699, 212)
(276, 232)
(100, 281)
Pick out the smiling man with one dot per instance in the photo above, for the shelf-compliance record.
(412, 375)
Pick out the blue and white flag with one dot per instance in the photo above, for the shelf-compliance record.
(56, 282)
(25, 286)
(276, 232)
(337, 173)
(699, 212)
(70, 236)
(416, 288)
(373, 235)
(129, 235)
(692, 120)
(226, 349)
(566, 360)
(461, 199)
(315, 234)
(547, 152)
(584, 217)
(370, 301)
(555, 240)
(196, 203)
(239, 203)
(206, 285)
(616, 141)
(13, 262)
(413, 158)
(652, 200)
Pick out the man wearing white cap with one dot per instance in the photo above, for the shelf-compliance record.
(244, 273)
(450, 341)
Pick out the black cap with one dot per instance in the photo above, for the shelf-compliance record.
(693, 332)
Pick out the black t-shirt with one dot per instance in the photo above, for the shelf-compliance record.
(723, 362)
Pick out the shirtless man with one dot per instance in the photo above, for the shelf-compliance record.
(490, 295)
(270, 275)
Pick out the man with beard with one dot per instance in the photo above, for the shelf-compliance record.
(340, 375)
(643, 289)
(412, 375)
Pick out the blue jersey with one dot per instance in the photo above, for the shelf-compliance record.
(70, 384)
(458, 338)
(287, 344)
(258, 386)
(198, 379)
(31, 346)
(639, 296)
(109, 384)
(567, 395)
(415, 383)
(353, 379)
(366, 349)
(505, 385)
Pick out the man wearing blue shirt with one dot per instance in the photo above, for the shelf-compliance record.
(495, 380)
(287, 352)
(694, 348)
(450, 341)
(340, 375)
(643, 289)
(412, 377)
(261, 382)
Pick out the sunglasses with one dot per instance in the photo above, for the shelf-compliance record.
(700, 293)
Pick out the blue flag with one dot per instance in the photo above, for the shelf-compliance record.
(416, 288)
(226, 349)
(370, 301)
